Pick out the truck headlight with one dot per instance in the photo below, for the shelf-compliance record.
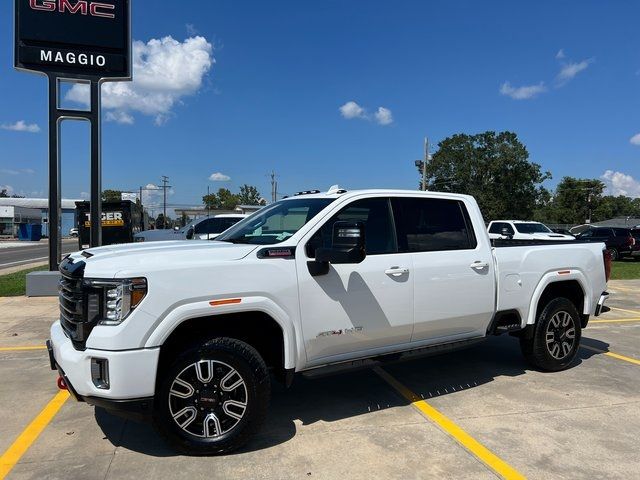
(120, 298)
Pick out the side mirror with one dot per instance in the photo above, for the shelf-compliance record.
(190, 233)
(348, 247)
(505, 232)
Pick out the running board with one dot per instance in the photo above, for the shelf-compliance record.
(371, 362)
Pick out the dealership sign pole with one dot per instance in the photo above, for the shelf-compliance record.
(77, 41)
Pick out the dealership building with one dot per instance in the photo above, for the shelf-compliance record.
(19, 211)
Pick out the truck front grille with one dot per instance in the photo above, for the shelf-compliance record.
(79, 306)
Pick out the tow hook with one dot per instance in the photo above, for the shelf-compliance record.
(62, 385)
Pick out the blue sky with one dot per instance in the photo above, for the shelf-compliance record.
(257, 86)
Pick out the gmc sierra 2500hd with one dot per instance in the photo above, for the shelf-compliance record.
(187, 333)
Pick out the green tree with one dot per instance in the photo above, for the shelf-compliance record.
(210, 201)
(160, 222)
(226, 199)
(4, 193)
(249, 195)
(494, 168)
(111, 195)
(575, 201)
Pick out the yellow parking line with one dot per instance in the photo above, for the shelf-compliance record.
(21, 349)
(492, 461)
(613, 355)
(615, 320)
(636, 312)
(31, 433)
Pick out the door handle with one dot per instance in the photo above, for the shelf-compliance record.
(396, 271)
(478, 265)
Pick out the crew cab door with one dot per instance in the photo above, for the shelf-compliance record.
(356, 310)
(453, 270)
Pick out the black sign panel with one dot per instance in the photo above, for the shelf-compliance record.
(74, 37)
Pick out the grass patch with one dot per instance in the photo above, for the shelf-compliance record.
(625, 270)
(15, 284)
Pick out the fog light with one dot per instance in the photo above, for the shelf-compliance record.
(100, 373)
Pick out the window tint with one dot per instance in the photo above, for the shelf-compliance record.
(376, 216)
(431, 224)
(215, 225)
(496, 227)
(622, 232)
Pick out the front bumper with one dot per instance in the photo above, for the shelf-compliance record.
(132, 373)
(601, 307)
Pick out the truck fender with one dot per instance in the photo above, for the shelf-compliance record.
(559, 276)
(166, 324)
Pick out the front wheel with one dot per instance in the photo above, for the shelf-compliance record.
(556, 337)
(213, 398)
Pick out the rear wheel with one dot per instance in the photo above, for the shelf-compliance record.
(615, 255)
(213, 398)
(556, 336)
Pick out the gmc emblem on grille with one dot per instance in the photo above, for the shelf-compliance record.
(95, 9)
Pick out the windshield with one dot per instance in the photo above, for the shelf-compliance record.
(275, 223)
(532, 228)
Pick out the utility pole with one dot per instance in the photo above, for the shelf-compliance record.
(274, 187)
(165, 181)
(423, 164)
(208, 203)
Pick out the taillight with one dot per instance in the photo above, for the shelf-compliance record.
(606, 256)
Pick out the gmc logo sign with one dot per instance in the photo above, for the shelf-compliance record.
(82, 7)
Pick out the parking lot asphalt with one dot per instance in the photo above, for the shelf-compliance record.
(477, 413)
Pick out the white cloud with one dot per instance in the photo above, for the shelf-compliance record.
(635, 140)
(219, 177)
(560, 55)
(21, 126)
(619, 183)
(522, 93)
(8, 188)
(352, 110)
(119, 117)
(384, 116)
(571, 69)
(164, 71)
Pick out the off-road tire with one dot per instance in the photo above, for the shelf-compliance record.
(219, 354)
(551, 347)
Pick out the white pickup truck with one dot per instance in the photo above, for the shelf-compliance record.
(188, 333)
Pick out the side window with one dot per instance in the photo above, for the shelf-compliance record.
(374, 213)
(203, 226)
(496, 227)
(509, 228)
(432, 224)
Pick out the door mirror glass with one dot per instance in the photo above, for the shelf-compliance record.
(348, 244)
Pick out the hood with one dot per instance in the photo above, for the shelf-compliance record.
(552, 236)
(140, 259)
(160, 235)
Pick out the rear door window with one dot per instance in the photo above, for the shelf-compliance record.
(432, 224)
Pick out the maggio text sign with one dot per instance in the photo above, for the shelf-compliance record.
(74, 37)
